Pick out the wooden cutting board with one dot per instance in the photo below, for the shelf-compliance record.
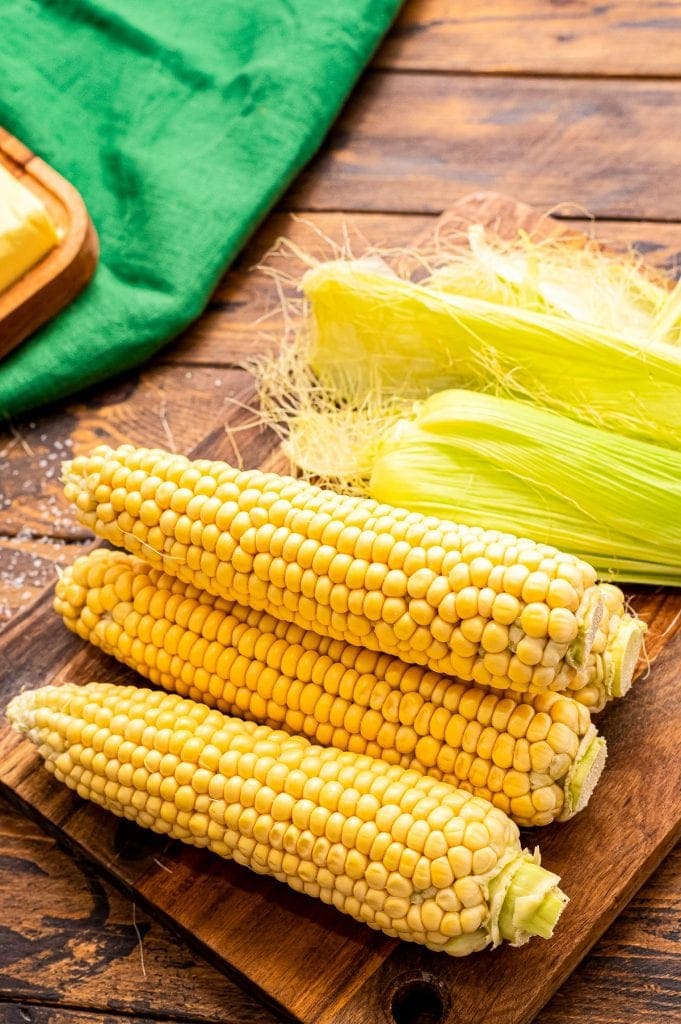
(56, 279)
(306, 958)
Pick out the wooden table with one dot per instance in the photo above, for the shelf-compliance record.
(548, 101)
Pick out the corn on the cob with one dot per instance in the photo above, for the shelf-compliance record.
(538, 759)
(481, 605)
(407, 854)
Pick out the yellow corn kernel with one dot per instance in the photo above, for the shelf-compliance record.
(229, 789)
(333, 692)
(363, 554)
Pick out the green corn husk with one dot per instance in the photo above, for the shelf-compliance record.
(376, 334)
(476, 458)
(583, 283)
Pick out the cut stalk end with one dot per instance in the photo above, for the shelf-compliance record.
(623, 652)
(543, 920)
(525, 900)
(586, 770)
(589, 615)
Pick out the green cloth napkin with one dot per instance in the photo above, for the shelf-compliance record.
(180, 124)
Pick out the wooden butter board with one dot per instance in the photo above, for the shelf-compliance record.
(56, 279)
(313, 963)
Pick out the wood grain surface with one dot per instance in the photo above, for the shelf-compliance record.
(81, 930)
(631, 974)
(562, 37)
(57, 278)
(419, 142)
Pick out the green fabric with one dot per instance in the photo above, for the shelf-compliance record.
(180, 124)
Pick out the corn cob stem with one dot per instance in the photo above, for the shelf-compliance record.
(478, 604)
(589, 616)
(584, 773)
(413, 857)
(610, 672)
(530, 903)
(623, 651)
(524, 755)
(610, 668)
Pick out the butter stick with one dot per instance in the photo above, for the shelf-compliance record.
(27, 233)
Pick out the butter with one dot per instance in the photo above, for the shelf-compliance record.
(26, 230)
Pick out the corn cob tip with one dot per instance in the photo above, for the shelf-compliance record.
(525, 900)
(20, 711)
(624, 650)
(584, 774)
(589, 617)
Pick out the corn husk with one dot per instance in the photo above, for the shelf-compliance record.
(480, 459)
(586, 343)
(376, 333)
(588, 284)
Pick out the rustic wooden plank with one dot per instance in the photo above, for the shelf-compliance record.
(171, 407)
(632, 973)
(27, 566)
(29, 1013)
(418, 142)
(629, 976)
(534, 37)
(16, 1013)
(97, 951)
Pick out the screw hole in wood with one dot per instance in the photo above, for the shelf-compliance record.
(417, 1001)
